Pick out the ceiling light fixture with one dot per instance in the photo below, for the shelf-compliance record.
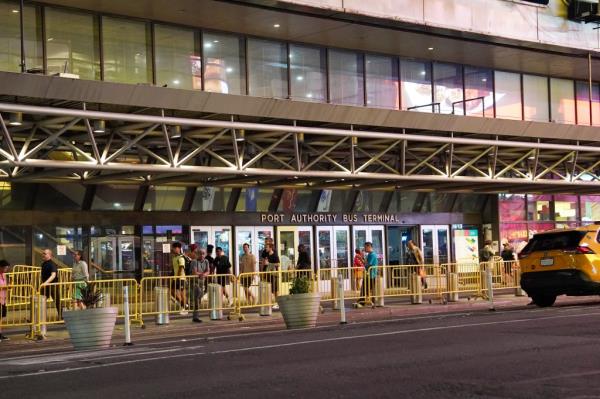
(175, 132)
(241, 136)
(276, 26)
(99, 126)
(430, 48)
(15, 119)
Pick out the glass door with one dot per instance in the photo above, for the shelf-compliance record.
(254, 236)
(218, 236)
(373, 234)
(126, 262)
(342, 246)
(324, 246)
(288, 239)
(434, 244)
(398, 237)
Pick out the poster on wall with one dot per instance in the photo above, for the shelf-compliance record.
(466, 245)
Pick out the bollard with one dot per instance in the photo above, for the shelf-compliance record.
(39, 317)
(490, 285)
(484, 283)
(334, 292)
(518, 289)
(126, 321)
(264, 298)
(340, 286)
(452, 287)
(416, 297)
(215, 301)
(379, 292)
(162, 305)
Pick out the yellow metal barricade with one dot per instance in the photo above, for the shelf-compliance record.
(462, 278)
(25, 268)
(19, 312)
(505, 274)
(403, 281)
(22, 279)
(327, 283)
(64, 274)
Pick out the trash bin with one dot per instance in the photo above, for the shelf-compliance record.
(334, 293)
(215, 301)
(379, 291)
(416, 296)
(39, 316)
(452, 287)
(264, 298)
(162, 305)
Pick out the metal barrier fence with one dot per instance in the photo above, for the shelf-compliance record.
(19, 312)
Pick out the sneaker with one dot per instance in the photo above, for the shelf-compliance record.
(275, 307)
(196, 320)
(183, 312)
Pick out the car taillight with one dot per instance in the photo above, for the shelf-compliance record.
(583, 250)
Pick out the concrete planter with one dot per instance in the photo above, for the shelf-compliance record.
(90, 328)
(299, 310)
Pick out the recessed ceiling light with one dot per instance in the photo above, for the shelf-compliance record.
(300, 77)
(176, 82)
(50, 39)
(484, 80)
(215, 41)
(423, 73)
(208, 45)
(229, 70)
(15, 11)
(430, 48)
(276, 26)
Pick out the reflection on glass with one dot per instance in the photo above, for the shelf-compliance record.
(341, 248)
(346, 70)
(178, 63)
(508, 95)
(243, 237)
(590, 207)
(377, 236)
(427, 246)
(417, 93)
(448, 87)
(225, 70)
(222, 239)
(262, 236)
(324, 249)
(538, 207)
(164, 198)
(479, 92)
(596, 104)
(304, 238)
(308, 77)
(562, 103)
(582, 97)
(287, 249)
(267, 67)
(442, 242)
(72, 43)
(360, 237)
(535, 98)
(200, 238)
(126, 51)
(10, 37)
(382, 82)
(565, 208)
(127, 255)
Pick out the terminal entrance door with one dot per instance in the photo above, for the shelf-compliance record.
(115, 254)
(434, 244)
(333, 246)
(397, 241)
(288, 239)
(218, 236)
(255, 236)
(373, 234)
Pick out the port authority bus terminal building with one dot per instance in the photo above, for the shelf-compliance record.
(128, 125)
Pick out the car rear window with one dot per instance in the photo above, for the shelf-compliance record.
(567, 240)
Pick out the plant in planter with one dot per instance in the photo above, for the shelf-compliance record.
(92, 327)
(301, 307)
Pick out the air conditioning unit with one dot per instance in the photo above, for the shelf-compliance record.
(584, 11)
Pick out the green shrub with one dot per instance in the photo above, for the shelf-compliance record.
(90, 295)
(300, 285)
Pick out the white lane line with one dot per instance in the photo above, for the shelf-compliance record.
(297, 343)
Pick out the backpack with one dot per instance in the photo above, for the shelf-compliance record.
(486, 255)
(188, 265)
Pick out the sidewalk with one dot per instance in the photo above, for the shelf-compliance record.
(181, 327)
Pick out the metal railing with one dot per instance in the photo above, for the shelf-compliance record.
(432, 105)
(469, 100)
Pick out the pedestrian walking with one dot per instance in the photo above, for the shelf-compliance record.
(358, 267)
(222, 268)
(49, 275)
(487, 252)
(369, 278)
(272, 265)
(200, 269)
(415, 257)
(247, 270)
(210, 258)
(4, 265)
(80, 276)
(303, 262)
(178, 285)
(508, 258)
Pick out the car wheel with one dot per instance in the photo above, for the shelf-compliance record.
(544, 300)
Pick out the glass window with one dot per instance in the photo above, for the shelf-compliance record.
(565, 208)
(508, 95)
(225, 70)
(448, 88)
(535, 228)
(469, 203)
(15, 196)
(126, 51)
(164, 198)
(60, 197)
(253, 199)
(538, 207)
(512, 207)
(267, 65)
(582, 94)
(516, 234)
(211, 199)
(332, 200)
(479, 92)
(535, 98)
(590, 208)
(346, 80)
(403, 201)
(294, 201)
(72, 44)
(13, 246)
(178, 62)
(308, 73)
(114, 198)
(10, 38)
(382, 82)
(596, 104)
(368, 201)
(562, 103)
(415, 83)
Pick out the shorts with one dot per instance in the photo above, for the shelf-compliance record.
(2, 311)
(246, 281)
(223, 280)
(78, 295)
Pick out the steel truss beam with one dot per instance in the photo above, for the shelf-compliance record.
(56, 144)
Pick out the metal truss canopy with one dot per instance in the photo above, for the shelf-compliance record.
(46, 144)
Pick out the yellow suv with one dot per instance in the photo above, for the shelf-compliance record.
(561, 262)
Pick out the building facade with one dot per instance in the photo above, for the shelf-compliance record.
(128, 125)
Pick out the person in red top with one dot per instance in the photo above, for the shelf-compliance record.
(358, 267)
(3, 294)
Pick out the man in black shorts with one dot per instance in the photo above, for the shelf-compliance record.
(222, 269)
(50, 275)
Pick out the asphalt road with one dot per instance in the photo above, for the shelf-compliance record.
(521, 353)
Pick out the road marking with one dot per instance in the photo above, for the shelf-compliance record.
(297, 343)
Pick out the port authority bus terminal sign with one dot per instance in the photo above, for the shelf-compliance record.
(329, 218)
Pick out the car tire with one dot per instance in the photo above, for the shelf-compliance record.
(544, 300)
